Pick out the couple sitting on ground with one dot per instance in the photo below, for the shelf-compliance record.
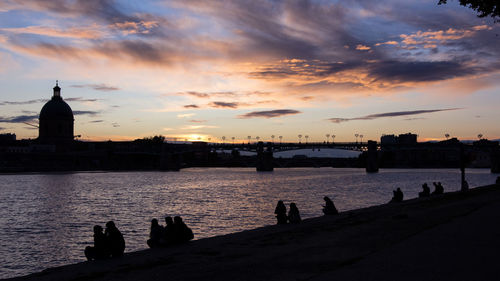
(107, 244)
(293, 214)
(174, 232)
(426, 191)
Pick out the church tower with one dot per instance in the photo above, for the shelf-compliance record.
(56, 120)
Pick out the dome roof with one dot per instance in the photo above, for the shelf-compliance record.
(57, 109)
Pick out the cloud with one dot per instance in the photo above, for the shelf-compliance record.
(269, 114)
(86, 112)
(191, 106)
(97, 87)
(78, 99)
(221, 104)
(197, 127)
(197, 121)
(91, 32)
(23, 102)
(96, 121)
(391, 114)
(20, 119)
(115, 125)
(207, 94)
(185, 115)
(361, 47)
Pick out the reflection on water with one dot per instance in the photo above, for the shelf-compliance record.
(46, 219)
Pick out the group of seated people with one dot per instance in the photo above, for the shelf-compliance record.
(426, 191)
(174, 232)
(294, 214)
(109, 243)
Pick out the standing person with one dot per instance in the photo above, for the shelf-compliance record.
(100, 249)
(329, 208)
(115, 239)
(293, 214)
(182, 233)
(156, 235)
(280, 212)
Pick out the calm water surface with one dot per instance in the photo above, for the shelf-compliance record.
(46, 220)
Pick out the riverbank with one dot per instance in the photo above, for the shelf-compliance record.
(453, 236)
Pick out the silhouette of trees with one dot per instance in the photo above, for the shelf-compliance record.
(484, 8)
(281, 138)
(232, 139)
(480, 136)
(151, 140)
(447, 136)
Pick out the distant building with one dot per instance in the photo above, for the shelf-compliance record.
(4, 138)
(56, 121)
(408, 138)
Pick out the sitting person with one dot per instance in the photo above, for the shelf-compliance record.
(426, 191)
(181, 233)
(329, 208)
(293, 214)
(438, 188)
(114, 239)
(280, 212)
(398, 195)
(168, 233)
(156, 235)
(100, 249)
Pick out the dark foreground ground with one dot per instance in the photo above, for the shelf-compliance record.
(455, 236)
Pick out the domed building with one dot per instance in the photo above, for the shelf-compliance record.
(56, 120)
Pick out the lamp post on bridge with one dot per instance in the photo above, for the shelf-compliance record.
(333, 137)
(356, 135)
(327, 138)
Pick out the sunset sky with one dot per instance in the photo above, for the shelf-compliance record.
(207, 69)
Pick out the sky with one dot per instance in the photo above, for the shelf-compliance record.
(204, 70)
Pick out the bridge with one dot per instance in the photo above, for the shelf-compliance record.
(278, 146)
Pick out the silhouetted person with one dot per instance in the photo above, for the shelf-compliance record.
(294, 214)
(438, 188)
(114, 239)
(426, 191)
(397, 195)
(280, 212)
(100, 249)
(182, 233)
(156, 237)
(329, 208)
(169, 230)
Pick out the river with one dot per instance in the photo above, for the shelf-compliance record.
(46, 220)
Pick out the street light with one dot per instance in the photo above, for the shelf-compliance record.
(333, 137)
(300, 138)
(272, 137)
(307, 137)
(327, 138)
(356, 135)
(361, 136)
